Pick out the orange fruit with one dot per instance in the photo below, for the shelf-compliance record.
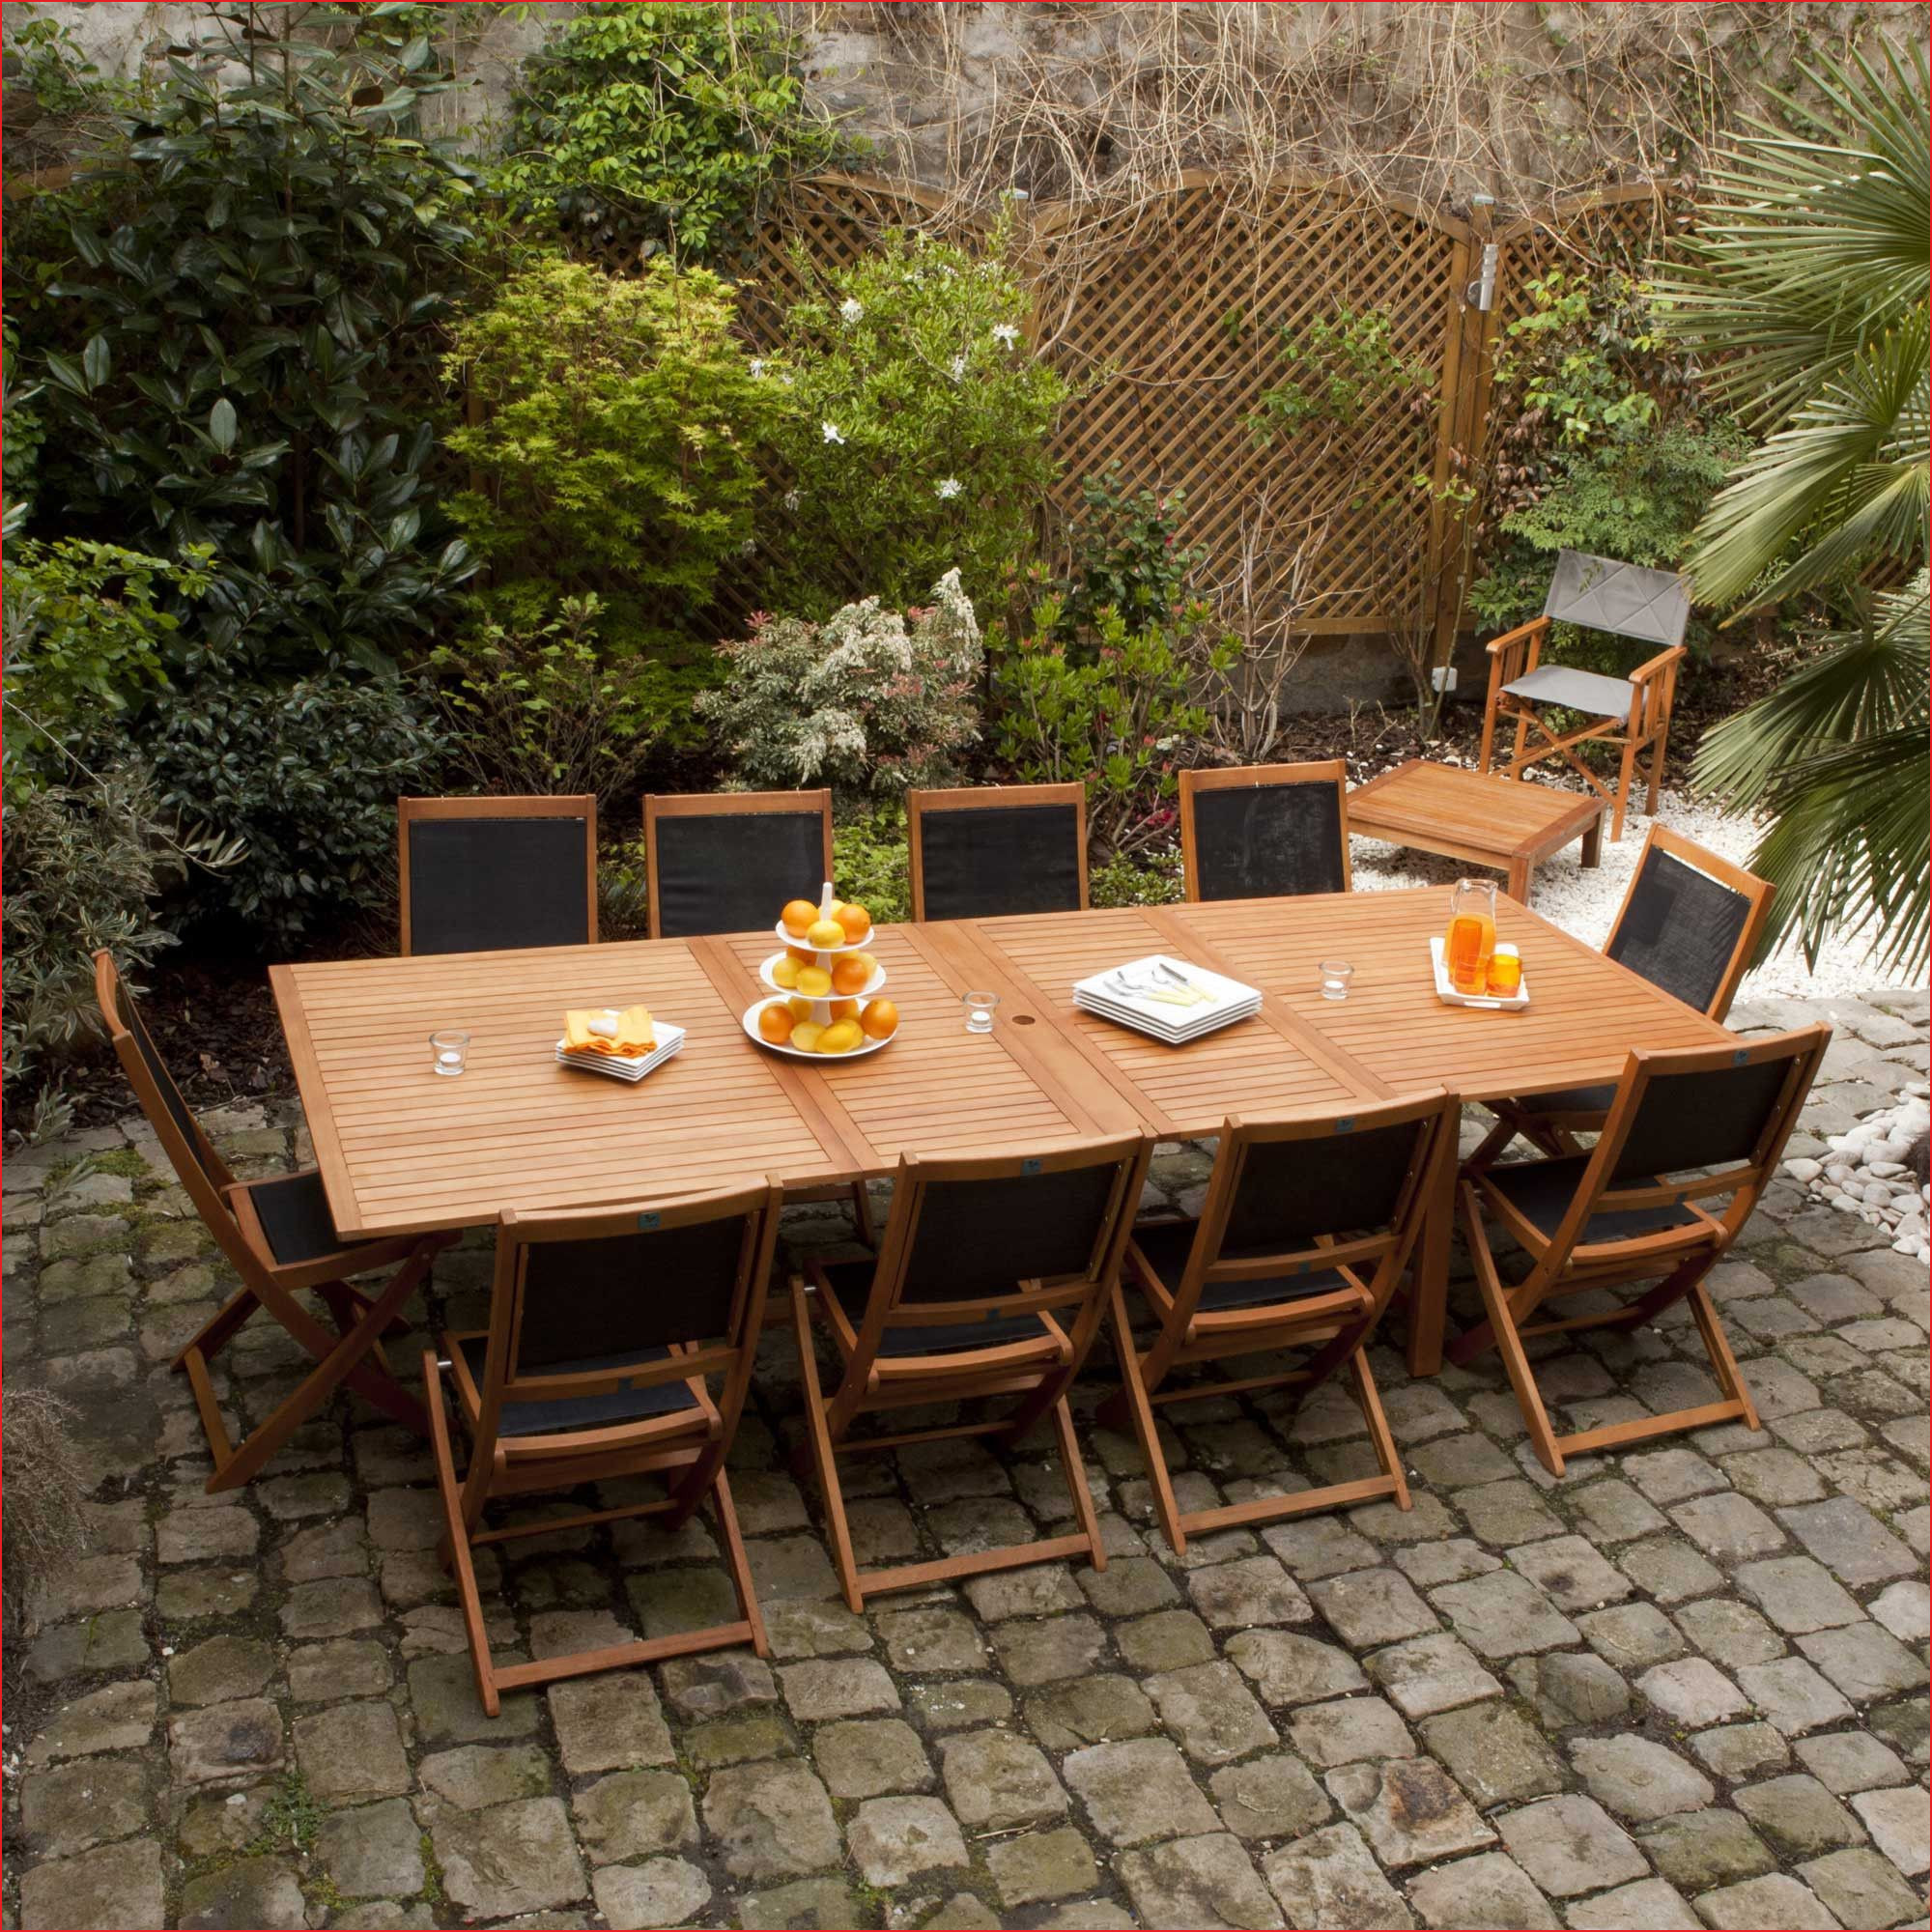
(856, 921)
(800, 955)
(785, 971)
(880, 1019)
(851, 971)
(798, 916)
(845, 1009)
(825, 933)
(841, 1037)
(815, 981)
(775, 1024)
(805, 1035)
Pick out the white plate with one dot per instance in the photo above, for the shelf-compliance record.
(784, 938)
(750, 1025)
(1137, 1022)
(876, 983)
(1450, 997)
(670, 1040)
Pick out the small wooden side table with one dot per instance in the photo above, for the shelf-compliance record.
(1462, 814)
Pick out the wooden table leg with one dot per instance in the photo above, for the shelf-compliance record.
(1520, 871)
(1593, 842)
(1429, 1305)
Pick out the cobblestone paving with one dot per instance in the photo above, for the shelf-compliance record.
(1684, 1686)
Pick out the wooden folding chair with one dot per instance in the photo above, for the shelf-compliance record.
(1683, 1128)
(1690, 924)
(991, 1281)
(1632, 713)
(1304, 1234)
(605, 1326)
(982, 851)
(487, 874)
(1251, 831)
(728, 861)
(277, 1235)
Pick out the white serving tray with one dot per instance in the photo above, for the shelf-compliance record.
(750, 1025)
(1450, 997)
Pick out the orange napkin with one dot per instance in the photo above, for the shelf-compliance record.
(627, 1034)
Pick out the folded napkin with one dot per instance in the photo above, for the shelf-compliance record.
(627, 1034)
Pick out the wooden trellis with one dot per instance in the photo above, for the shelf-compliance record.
(1168, 315)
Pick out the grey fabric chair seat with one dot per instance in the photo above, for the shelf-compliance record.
(1166, 1246)
(1581, 690)
(1541, 1191)
(588, 1411)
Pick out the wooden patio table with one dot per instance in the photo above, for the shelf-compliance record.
(402, 1149)
(1462, 815)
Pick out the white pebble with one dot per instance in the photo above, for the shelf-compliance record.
(1803, 1169)
(1885, 1170)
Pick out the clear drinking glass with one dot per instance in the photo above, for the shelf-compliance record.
(1335, 976)
(449, 1052)
(979, 1010)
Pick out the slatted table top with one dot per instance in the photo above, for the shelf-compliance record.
(400, 1149)
(1420, 803)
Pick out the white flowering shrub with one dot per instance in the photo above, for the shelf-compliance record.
(870, 701)
(913, 422)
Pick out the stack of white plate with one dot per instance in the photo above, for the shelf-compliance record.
(1166, 999)
(670, 1040)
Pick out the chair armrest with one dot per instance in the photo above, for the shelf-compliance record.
(1653, 686)
(1516, 636)
(1664, 660)
(1515, 652)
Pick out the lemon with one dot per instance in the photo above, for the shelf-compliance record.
(840, 1037)
(815, 981)
(824, 934)
(806, 1035)
(785, 971)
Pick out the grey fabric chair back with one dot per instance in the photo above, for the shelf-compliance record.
(1290, 1191)
(481, 884)
(1000, 860)
(1602, 594)
(1680, 931)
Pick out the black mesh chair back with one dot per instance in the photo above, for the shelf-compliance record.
(980, 860)
(732, 869)
(1267, 837)
(482, 881)
(212, 1169)
(1716, 1119)
(1290, 1191)
(1680, 929)
(977, 1239)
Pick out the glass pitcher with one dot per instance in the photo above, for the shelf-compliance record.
(1472, 934)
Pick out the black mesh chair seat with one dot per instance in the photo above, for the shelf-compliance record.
(294, 1213)
(590, 1411)
(1541, 1191)
(1572, 1100)
(1578, 689)
(1165, 1248)
(852, 1283)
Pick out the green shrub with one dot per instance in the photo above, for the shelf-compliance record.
(1156, 878)
(1124, 554)
(643, 127)
(914, 428)
(871, 862)
(618, 423)
(235, 344)
(305, 775)
(868, 702)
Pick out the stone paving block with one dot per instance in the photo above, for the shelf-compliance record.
(1210, 1712)
(1568, 1845)
(1668, 1569)
(1727, 1526)
(631, 1814)
(1488, 1890)
(1172, 1641)
(1850, 1540)
(1041, 1652)
(1431, 1673)
(1694, 1693)
(826, 1688)
(896, 1839)
(1570, 1572)
(1631, 1637)
(994, 1780)
(868, 1759)
(1314, 1546)
(1773, 1900)
(1255, 1590)
(70, 1807)
(117, 1885)
(1131, 1587)
(1637, 1778)
(1329, 1880)
(1729, 1633)
(1134, 1791)
(1408, 1811)
(1701, 1849)
(1453, 1560)
(1738, 1751)
(227, 1743)
(1896, 1819)
(223, 1667)
(1368, 1608)
(262, 1891)
(771, 1821)
(1864, 1661)
(659, 1892)
(1271, 1797)
(1090, 1711)
(352, 1753)
(1493, 1752)
(1504, 1615)
(1798, 1594)
(1038, 1591)
(1287, 1668)
(1862, 1889)
(1851, 1761)
(1040, 1866)
(509, 1859)
(372, 1852)
(610, 1722)
(1905, 1609)
(1649, 1904)
(1798, 1815)
(808, 1902)
(1209, 1880)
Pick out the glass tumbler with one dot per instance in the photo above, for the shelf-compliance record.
(1335, 976)
(449, 1052)
(979, 1010)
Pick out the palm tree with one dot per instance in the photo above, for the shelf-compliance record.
(1808, 290)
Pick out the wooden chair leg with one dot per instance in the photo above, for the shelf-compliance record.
(824, 1456)
(1140, 1412)
(862, 1214)
(1503, 1329)
(457, 1534)
(1497, 1141)
(739, 1563)
(1730, 1378)
(1489, 733)
(1516, 765)
(1369, 1398)
(1626, 779)
(1075, 1471)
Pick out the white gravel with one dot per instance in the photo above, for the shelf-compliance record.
(1585, 902)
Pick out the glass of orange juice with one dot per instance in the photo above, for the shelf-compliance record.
(1505, 973)
(1472, 934)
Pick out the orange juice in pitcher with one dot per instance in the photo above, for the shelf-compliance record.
(1472, 934)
